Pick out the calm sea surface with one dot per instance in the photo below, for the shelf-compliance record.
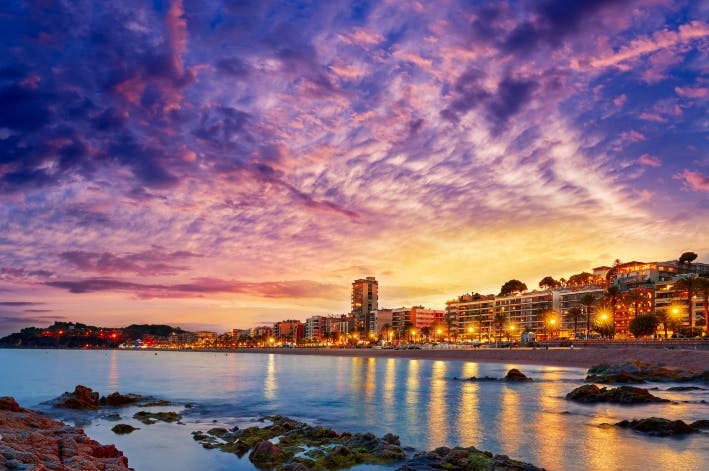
(419, 400)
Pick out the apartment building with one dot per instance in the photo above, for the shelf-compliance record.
(671, 303)
(472, 315)
(365, 302)
(524, 311)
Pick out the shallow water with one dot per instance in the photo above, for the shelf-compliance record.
(419, 400)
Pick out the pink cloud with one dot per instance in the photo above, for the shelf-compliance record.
(177, 33)
(692, 92)
(656, 42)
(620, 100)
(649, 160)
(633, 136)
(652, 117)
(694, 180)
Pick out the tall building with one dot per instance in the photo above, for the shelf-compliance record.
(365, 301)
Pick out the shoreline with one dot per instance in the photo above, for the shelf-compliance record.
(690, 360)
(582, 356)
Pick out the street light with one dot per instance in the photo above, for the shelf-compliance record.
(553, 325)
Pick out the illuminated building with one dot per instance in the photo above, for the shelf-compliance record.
(365, 301)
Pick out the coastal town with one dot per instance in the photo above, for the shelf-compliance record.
(632, 300)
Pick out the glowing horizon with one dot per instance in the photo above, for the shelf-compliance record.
(219, 165)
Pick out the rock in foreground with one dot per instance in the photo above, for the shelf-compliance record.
(639, 372)
(516, 375)
(590, 393)
(464, 459)
(34, 442)
(659, 427)
(290, 445)
(82, 398)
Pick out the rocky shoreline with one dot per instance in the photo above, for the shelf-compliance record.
(32, 441)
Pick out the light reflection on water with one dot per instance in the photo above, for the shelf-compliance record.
(416, 399)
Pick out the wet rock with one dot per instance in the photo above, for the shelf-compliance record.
(9, 404)
(265, 453)
(516, 375)
(659, 427)
(149, 418)
(302, 446)
(31, 441)
(483, 379)
(685, 388)
(82, 398)
(637, 371)
(122, 429)
(118, 399)
(702, 424)
(463, 459)
(590, 393)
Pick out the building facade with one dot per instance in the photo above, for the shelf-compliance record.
(365, 302)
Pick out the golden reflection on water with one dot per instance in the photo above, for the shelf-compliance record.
(270, 384)
(113, 375)
(413, 408)
(510, 420)
(389, 393)
(468, 418)
(437, 407)
(370, 387)
(550, 428)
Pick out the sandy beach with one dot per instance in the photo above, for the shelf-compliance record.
(686, 359)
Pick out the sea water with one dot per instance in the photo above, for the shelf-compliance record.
(422, 401)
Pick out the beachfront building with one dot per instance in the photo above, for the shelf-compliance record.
(383, 320)
(671, 305)
(365, 302)
(409, 322)
(472, 315)
(565, 299)
(635, 275)
(315, 327)
(291, 330)
(523, 311)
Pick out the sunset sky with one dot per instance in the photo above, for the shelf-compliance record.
(216, 165)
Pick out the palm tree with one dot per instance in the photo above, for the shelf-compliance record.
(500, 319)
(547, 318)
(575, 314)
(588, 300)
(689, 283)
(703, 287)
(408, 326)
(426, 332)
(612, 295)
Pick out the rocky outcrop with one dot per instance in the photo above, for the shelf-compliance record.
(513, 375)
(464, 459)
(639, 372)
(122, 429)
(82, 398)
(516, 375)
(590, 393)
(117, 399)
(659, 427)
(149, 418)
(264, 454)
(286, 444)
(34, 442)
